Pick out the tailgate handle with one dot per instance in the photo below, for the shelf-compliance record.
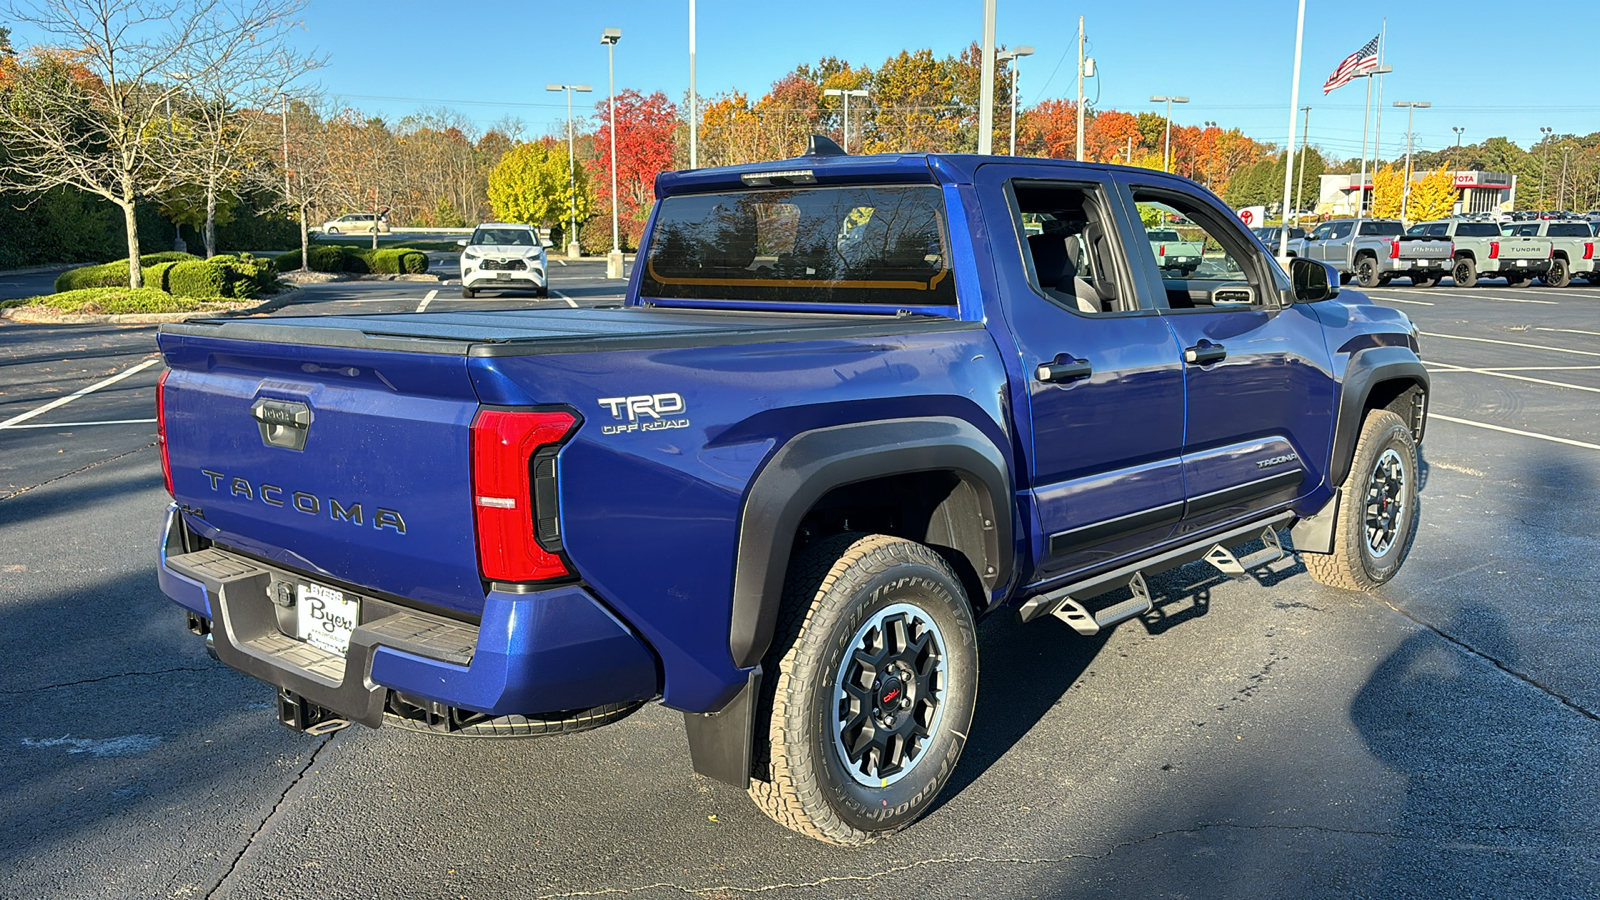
(283, 423)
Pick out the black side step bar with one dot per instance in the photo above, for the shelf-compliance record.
(1063, 604)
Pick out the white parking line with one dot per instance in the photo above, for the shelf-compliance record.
(1532, 434)
(570, 302)
(1536, 368)
(1570, 331)
(1475, 295)
(1398, 300)
(63, 401)
(428, 299)
(1460, 337)
(85, 424)
(1446, 367)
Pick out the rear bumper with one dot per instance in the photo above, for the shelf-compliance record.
(553, 650)
(1532, 266)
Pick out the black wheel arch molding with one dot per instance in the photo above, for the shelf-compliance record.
(1385, 376)
(813, 463)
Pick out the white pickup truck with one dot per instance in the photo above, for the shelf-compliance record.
(1482, 251)
(1173, 253)
(1373, 251)
(1572, 248)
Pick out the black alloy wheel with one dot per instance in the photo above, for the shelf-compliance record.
(1559, 275)
(1367, 272)
(1464, 272)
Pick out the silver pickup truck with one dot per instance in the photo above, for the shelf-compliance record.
(1572, 249)
(1173, 252)
(1481, 251)
(1379, 252)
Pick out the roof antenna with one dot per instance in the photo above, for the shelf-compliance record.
(821, 145)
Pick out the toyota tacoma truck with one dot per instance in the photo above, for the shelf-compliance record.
(1572, 248)
(1374, 251)
(849, 406)
(1480, 250)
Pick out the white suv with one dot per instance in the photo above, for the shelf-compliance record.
(502, 256)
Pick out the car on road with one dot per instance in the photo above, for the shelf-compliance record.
(1479, 249)
(1374, 251)
(502, 256)
(357, 223)
(776, 487)
(1572, 248)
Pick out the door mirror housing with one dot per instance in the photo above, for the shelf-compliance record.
(461, 243)
(1313, 280)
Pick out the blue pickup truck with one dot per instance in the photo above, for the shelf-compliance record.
(850, 406)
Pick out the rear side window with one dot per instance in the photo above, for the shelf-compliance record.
(881, 245)
(1381, 229)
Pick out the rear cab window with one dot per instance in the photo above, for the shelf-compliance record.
(867, 245)
(1568, 230)
(1477, 229)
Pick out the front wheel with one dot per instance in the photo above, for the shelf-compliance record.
(1464, 272)
(1558, 275)
(875, 676)
(1379, 508)
(1367, 272)
(468, 293)
(333, 231)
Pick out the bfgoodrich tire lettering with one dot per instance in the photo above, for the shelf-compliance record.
(834, 594)
(1379, 510)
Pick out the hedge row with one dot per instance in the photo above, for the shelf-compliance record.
(180, 274)
(358, 260)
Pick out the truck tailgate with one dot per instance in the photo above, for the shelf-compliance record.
(1426, 248)
(378, 491)
(1524, 248)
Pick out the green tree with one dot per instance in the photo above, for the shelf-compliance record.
(531, 185)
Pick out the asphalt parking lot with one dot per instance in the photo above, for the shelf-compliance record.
(1267, 737)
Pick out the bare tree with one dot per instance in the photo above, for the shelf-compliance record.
(93, 111)
(230, 88)
(303, 174)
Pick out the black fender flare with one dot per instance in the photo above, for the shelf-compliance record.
(1368, 368)
(815, 462)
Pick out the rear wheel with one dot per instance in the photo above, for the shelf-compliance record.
(468, 293)
(1559, 275)
(333, 231)
(1367, 272)
(1464, 272)
(1378, 511)
(875, 676)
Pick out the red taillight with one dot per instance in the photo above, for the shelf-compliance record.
(161, 429)
(1588, 251)
(1394, 249)
(504, 446)
(1163, 250)
(1494, 249)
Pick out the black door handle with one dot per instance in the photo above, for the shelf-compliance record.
(1062, 372)
(1205, 353)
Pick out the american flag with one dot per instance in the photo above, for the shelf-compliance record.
(1360, 61)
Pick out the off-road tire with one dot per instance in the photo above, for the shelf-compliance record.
(1559, 275)
(571, 721)
(1464, 272)
(833, 589)
(1367, 272)
(1352, 564)
(468, 293)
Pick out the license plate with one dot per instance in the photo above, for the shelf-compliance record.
(502, 276)
(1522, 262)
(325, 617)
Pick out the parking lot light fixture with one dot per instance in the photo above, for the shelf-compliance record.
(1012, 56)
(846, 93)
(1544, 138)
(1411, 107)
(574, 250)
(1166, 151)
(609, 37)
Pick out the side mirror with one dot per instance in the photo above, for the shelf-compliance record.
(546, 243)
(461, 243)
(1312, 280)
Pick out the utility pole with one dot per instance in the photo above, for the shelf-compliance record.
(609, 37)
(1129, 160)
(986, 83)
(694, 101)
(1561, 185)
(1300, 183)
(1077, 152)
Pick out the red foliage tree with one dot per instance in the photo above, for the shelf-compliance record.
(644, 149)
(1049, 128)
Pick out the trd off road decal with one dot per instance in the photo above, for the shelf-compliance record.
(643, 412)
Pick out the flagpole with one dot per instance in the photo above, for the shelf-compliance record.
(1366, 129)
(1377, 124)
(1288, 159)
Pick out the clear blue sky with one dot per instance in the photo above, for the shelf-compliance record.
(1233, 58)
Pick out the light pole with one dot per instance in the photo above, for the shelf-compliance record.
(574, 250)
(846, 93)
(1210, 182)
(1457, 129)
(609, 37)
(1166, 151)
(1544, 138)
(1011, 56)
(1300, 182)
(1411, 107)
(1366, 127)
(694, 100)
